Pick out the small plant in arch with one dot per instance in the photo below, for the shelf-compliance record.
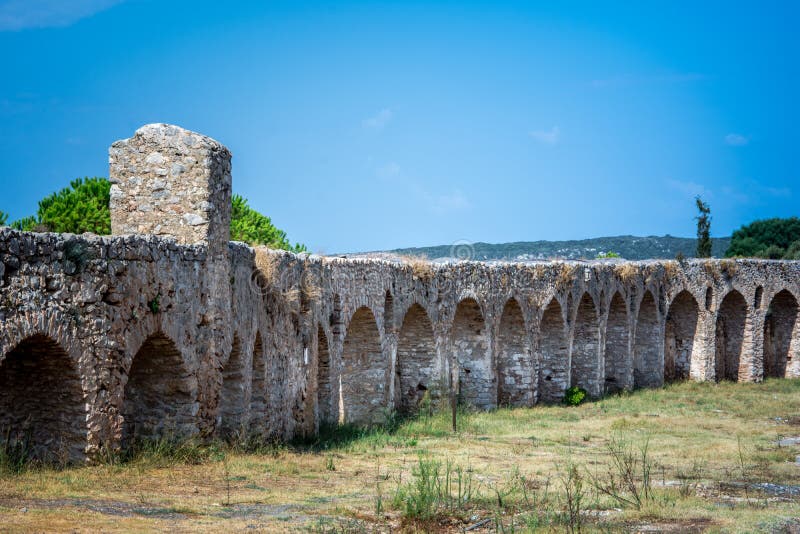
(155, 304)
(574, 396)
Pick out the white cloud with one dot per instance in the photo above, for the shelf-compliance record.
(18, 15)
(388, 171)
(690, 189)
(378, 121)
(734, 139)
(547, 137)
(454, 201)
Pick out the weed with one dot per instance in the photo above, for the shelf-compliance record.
(628, 479)
(154, 305)
(574, 395)
(574, 494)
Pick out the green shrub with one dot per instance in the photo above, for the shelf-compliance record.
(768, 238)
(574, 396)
(606, 255)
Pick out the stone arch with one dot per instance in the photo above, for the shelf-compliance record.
(647, 366)
(585, 354)
(258, 386)
(160, 395)
(363, 378)
(617, 362)
(514, 362)
(729, 336)
(680, 330)
(324, 390)
(416, 361)
(42, 407)
(232, 393)
(471, 351)
(388, 312)
(757, 298)
(553, 354)
(781, 335)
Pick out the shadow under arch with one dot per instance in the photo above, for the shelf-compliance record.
(232, 393)
(43, 414)
(471, 354)
(618, 363)
(416, 369)
(647, 366)
(553, 354)
(160, 395)
(680, 331)
(729, 336)
(781, 335)
(515, 370)
(585, 355)
(364, 371)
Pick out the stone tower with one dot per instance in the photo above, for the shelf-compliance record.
(168, 181)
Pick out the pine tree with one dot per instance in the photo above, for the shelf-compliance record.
(703, 229)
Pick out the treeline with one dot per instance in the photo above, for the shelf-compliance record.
(769, 238)
(83, 207)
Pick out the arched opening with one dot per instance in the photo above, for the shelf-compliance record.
(232, 394)
(258, 387)
(679, 334)
(552, 354)
(585, 361)
(42, 409)
(729, 339)
(514, 363)
(364, 371)
(618, 368)
(324, 398)
(781, 335)
(471, 348)
(647, 370)
(160, 395)
(709, 298)
(416, 361)
(388, 312)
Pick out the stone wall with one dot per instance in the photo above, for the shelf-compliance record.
(105, 340)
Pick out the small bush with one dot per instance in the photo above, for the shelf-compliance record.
(574, 396)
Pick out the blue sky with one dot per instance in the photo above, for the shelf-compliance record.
(374, 125)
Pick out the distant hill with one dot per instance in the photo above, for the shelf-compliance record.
(627, 246)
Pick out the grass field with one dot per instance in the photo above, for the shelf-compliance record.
(686, 458)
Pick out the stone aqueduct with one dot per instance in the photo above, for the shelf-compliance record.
(167, 328)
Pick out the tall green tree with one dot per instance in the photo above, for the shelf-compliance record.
(768, 238)
(249, 226)
(83, 207)
(3, 218)
(703, 228)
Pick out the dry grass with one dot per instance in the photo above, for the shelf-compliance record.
(728, 267)
(566, 276)
(672, 269)
(421, 267)
(703, 438)
(626, 272)
(267, 264)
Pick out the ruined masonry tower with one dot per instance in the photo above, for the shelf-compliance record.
(166, 328)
